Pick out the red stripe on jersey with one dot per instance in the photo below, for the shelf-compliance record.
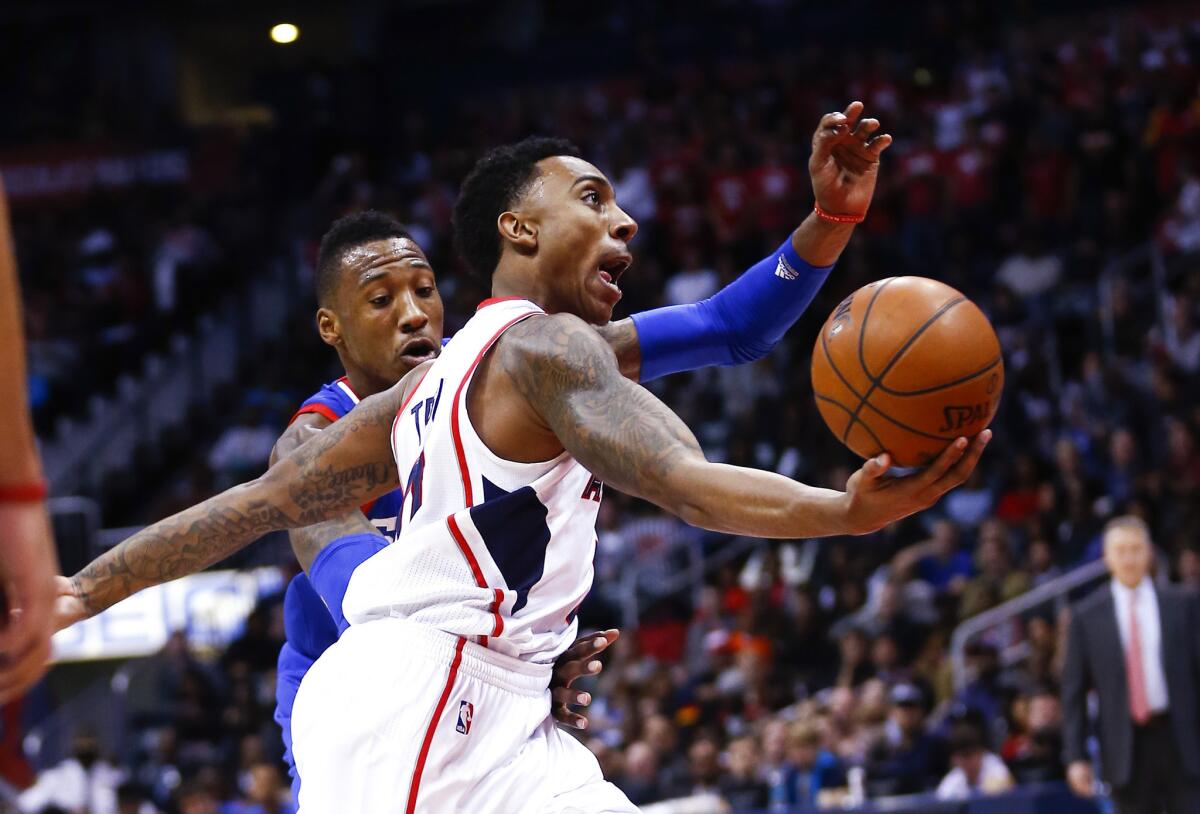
(456, 533)
(494, 300)
(415, 786)
(318, 408)
(499, 628)
(459, 450)
(409, 397)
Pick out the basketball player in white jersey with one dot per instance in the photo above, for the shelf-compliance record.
(435, 698)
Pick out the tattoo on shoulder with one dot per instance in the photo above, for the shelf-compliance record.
(622, 337)
(614, 427)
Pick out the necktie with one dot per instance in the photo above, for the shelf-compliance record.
(1139, 704)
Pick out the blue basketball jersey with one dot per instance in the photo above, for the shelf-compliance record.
(308, 624)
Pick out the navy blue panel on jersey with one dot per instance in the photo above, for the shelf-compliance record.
(513, 526)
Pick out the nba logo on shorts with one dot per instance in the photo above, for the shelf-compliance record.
(465, 712)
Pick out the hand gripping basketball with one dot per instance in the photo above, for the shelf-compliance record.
(875, 499)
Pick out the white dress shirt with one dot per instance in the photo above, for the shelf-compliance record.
(1149, 635)
(994, 778)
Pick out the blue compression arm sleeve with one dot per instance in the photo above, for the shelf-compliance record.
(740, 323)
(330, 571)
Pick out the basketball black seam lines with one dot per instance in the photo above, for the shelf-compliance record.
(934, 317)
(866, 316)
(841, 406)
(872, 407)
(928, 390)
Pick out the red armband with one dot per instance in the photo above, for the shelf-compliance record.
(23, 492)
(823, 215)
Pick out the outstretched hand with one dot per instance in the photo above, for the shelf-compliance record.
(68, 605)
(845, 160)
(579, 660)
(876, 500)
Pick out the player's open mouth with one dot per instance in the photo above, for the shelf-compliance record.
(612, 267)
(418, 351)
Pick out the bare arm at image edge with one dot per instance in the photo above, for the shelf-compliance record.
(326, 478)
(27, 560)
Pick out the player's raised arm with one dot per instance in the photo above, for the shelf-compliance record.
(746, 319)
(327, 477)
(631, 440)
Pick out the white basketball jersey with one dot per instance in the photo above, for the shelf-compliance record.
(491, 549)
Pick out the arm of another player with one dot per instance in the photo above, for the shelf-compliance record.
(308, 541)
(28, 562)
(633, 441)
(745, 320)
(327, 477)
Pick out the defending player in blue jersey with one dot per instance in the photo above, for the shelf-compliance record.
(380, 309)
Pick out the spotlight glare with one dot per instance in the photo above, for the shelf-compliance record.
(284, 33)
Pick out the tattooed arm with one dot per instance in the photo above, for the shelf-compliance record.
(622, 337)
(327, 477)
(308, 541)
(571, 381)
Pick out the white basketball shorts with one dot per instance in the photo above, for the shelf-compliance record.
(399, 718)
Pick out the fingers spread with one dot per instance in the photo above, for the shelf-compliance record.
(878, 144)
(942, 463)
(563, 700)
(831, 122)
(567, 672)
(865, 128)
(965, 465)
(877, 467)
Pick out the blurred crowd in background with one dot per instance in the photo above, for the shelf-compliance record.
(1049, 169)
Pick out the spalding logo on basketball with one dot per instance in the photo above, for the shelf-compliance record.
(906, 365)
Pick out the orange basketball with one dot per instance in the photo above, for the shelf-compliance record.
(906, 365)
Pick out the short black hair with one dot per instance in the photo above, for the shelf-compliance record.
(347, 233)
(494, 184)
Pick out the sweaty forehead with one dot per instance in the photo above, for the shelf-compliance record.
(559, 172)
(366, 256)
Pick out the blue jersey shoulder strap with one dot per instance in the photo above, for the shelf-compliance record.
(332, 401)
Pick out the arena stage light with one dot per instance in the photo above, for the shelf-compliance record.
(284, 33)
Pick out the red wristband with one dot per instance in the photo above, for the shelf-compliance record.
(823, 215)
(23, 492)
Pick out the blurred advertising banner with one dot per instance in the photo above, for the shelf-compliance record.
(72, 171)
(210, 608)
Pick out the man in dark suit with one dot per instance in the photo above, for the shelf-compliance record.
(1138, 646)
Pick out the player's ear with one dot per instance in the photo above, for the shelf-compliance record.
(328, 327)
(519, 230)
